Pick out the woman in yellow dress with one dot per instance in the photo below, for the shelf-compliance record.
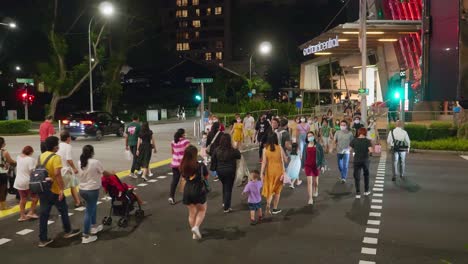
(237, 132)
(272, 173)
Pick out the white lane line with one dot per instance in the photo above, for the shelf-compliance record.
(106, 198)
(372, 230)
(142, 184)
(162, 177)
(375, 214)
(80, 209)
(373, 222)
(24, 232)
(380, 178)
(366, 262)
(152, 180)
(369, 251)
(465, 157)
(170, 173)
(370, 240)
(4, 241)
(378, 185)
(378, 189)
(50, 222)
(378, 194)
(377, 201)
(379, 181)
(376, 207)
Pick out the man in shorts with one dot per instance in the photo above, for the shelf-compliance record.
(249, 127)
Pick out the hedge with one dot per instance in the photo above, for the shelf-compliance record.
(442, 144)
(463, 131)
(14, 126)
(436, 130)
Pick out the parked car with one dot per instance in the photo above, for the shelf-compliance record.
(93, 124)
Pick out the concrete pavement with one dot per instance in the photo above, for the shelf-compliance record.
(422, 220)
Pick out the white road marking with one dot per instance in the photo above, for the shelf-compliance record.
(4, 241)
(377, 201)
(24, 232)
(378, 185)
(378, 189)
(170, 173)
(80, 209)
(465, 157)
(106, 198)
(379, 181)
(373, 222)
(377, 207)
(370, 240)
(372, 230)
(366, 262)
(142, 184)
(377, 194)
(375, 214)
(50, 222)
(162, 177)
(69, 214)
(379, 178)
(369, 251)
(152, 180)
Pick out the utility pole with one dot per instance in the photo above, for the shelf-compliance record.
(363, 34)
(202, 104)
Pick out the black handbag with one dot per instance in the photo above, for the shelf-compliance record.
(206, 188)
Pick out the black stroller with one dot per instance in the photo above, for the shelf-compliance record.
(123, 201)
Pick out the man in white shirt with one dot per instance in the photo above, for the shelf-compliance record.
(249, 127)
(69, 169)
(399, 141)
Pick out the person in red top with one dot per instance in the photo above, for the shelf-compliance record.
(46, 130)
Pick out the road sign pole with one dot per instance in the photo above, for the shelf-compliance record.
(26, 115)
(202, 106)
(402, 101)
(363, 20)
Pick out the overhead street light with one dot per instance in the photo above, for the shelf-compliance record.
(107, 10)
(11, 25)
(264, 49)
(18, 68)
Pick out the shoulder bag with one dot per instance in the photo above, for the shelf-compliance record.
(208, 148)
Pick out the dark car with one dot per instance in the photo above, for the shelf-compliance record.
(93, 124)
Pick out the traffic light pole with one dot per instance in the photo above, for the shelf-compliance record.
(26, 114)
(402, 100)
(202, 106)
(363, 20)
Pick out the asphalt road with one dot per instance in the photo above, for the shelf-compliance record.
(422, 220)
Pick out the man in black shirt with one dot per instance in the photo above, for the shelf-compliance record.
(362, 147)
(262, 128)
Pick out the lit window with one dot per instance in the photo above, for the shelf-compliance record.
(182, 2)
(218, 10)
(208, 56)
(196, 23)
(197, 34)
(197, 11)
(179, 46)
(195, 2)
(219, 55)
(208, 11)
(181, 13)
(182, 46)
(186, 35)
(219, 44)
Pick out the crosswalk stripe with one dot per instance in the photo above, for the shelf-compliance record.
(24, 232)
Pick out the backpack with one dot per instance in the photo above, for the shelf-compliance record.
(39, 181)
(398, 145)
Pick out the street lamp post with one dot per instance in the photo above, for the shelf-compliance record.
(106, 9)
(11, 25)
(264, 48)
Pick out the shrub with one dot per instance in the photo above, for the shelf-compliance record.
(442, 144)
(14, 126)
(436, 130)
(463, 131)
(416, 132)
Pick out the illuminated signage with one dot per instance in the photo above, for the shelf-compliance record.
(321, 46)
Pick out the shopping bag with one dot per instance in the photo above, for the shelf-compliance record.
(242, 171)
(378, 149)
(286, 178)
(128, 155)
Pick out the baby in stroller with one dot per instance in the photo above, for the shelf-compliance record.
(124, 193)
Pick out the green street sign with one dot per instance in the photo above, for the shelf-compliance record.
(363, 91)
(202, 80)
(24, 80)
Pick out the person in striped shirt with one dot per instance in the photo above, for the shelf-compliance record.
(178, 147)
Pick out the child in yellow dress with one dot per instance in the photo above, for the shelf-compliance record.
(238, 132)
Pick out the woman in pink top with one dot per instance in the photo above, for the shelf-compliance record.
(302, 129)
(178, 147)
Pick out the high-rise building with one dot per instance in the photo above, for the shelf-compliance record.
(199, 29)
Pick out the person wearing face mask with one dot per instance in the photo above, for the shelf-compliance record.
(371, 132)
(357, 125)
(237, 132)
(325, 132)
(343, 138)
(314, 162)
(303, 128)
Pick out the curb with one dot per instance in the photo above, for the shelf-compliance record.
(445, 152)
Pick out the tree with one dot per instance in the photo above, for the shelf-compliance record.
(259, 84)
(61, 79)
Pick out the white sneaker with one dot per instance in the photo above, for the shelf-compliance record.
(291, 186)
(97, 229)
(171, 201)
(88, 239)
(194, 237)
(311, 201)
(358, 196)
(196, 232)
(367, 193)
(315, 194)
(133, 175)
(299, 182)
(144, 178)
(150, 174)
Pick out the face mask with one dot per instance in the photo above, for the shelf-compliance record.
(302, 120)
(311, 138)
(356, 121)
(210, 121)
(238, 120)
(343, 127)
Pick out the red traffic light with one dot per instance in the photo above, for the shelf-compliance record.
(24, 95)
